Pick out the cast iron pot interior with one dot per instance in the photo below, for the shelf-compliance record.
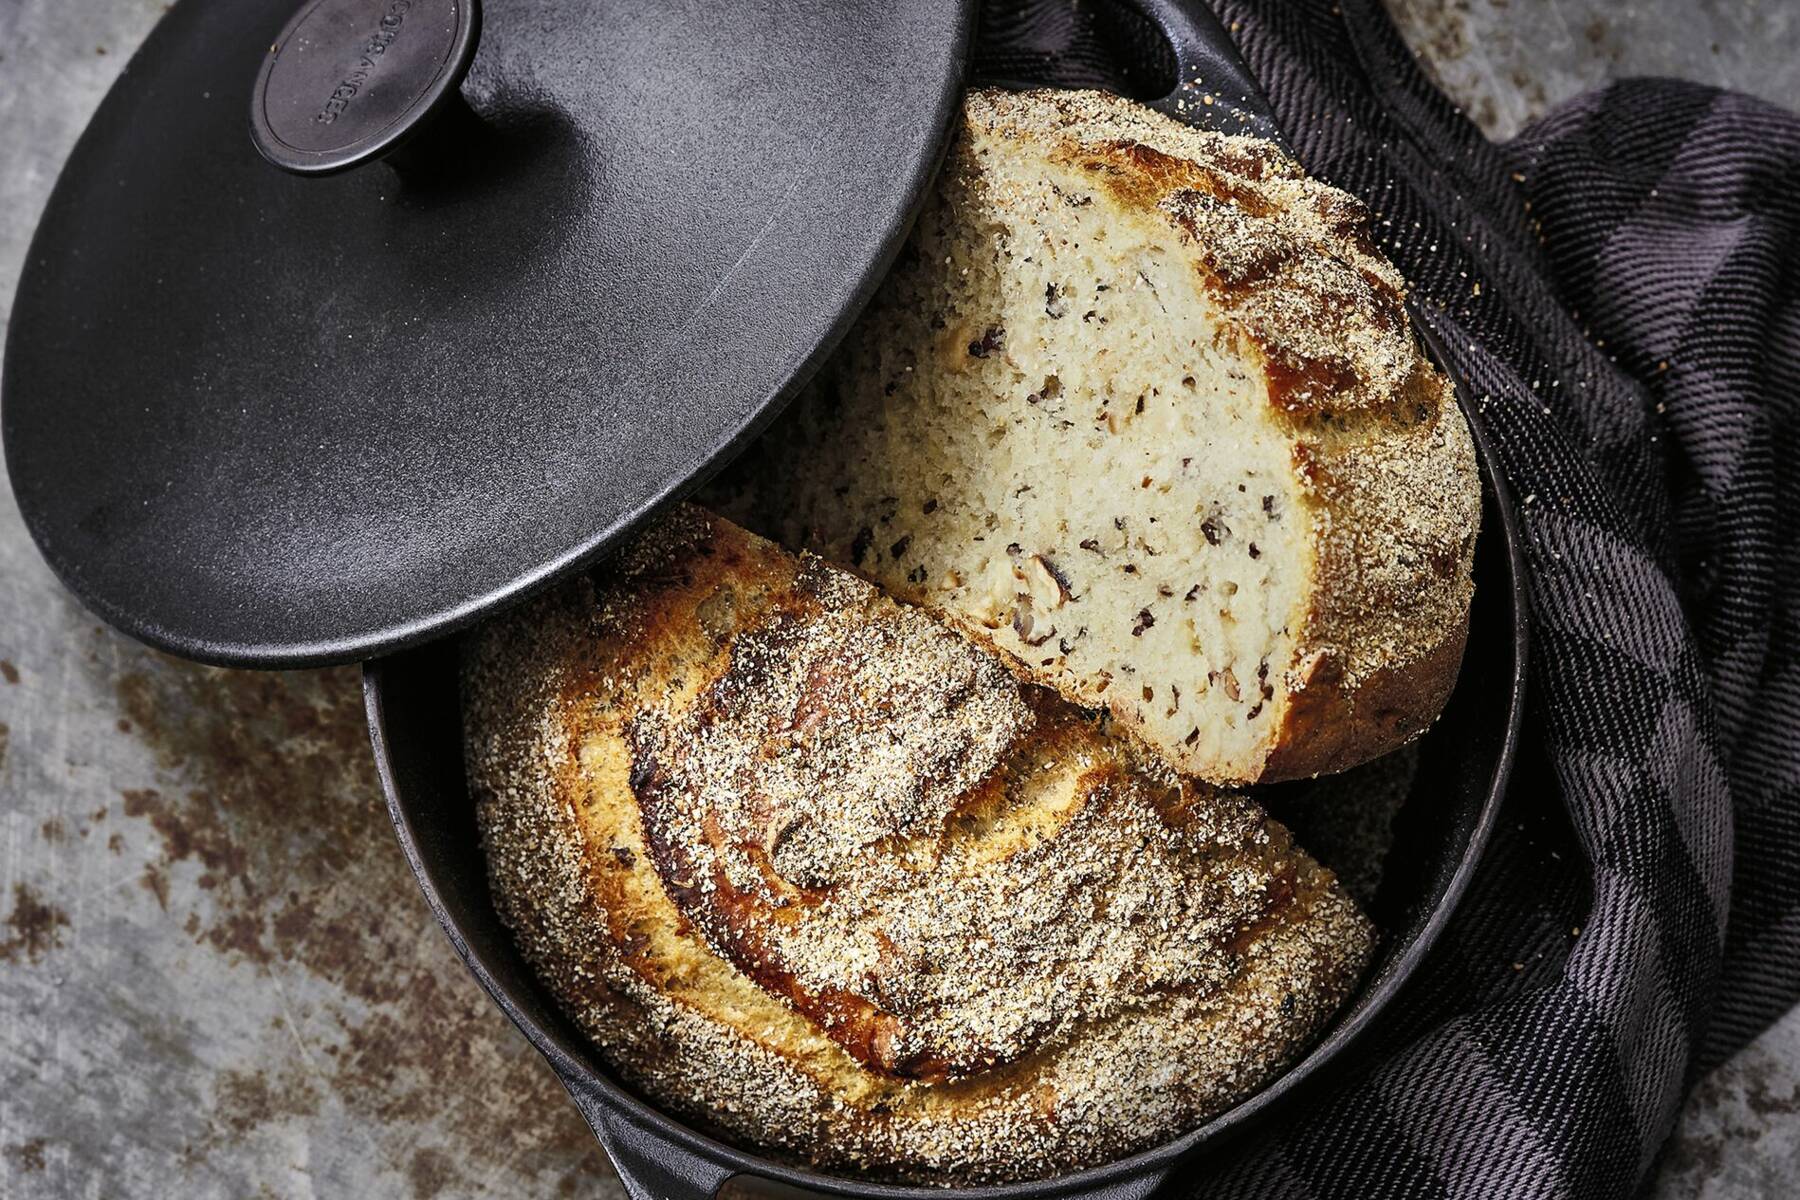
(1439, 832)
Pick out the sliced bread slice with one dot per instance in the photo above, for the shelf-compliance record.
(1141, 407)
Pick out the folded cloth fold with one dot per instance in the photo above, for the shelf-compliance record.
(1621, 285)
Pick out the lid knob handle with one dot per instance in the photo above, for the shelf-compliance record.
(349, 81)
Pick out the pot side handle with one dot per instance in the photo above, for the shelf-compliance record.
(653, 1168)
(1207, 63)
(650, 1166)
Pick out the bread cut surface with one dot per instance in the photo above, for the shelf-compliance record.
(815, 871)
(1141, 407)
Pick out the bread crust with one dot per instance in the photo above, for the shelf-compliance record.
(626, 742)
(1331, 728)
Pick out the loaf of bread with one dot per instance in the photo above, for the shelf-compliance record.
(1141, 406)
(817, 873)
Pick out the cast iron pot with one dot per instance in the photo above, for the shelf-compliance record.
(416, 727)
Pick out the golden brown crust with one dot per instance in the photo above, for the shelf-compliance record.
(1331, 324)
(710, 782)
(1330, 728)
(1397, 509)
(1288, 258)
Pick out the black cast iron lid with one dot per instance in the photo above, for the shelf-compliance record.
(266, 410)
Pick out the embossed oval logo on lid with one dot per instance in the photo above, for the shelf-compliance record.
(348, 80)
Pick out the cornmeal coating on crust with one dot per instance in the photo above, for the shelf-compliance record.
(815, 871)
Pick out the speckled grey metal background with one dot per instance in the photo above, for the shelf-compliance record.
(216, 975)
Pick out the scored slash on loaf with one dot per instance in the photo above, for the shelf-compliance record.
(1141, 408)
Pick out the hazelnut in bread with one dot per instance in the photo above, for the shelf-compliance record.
(1141, 407)
(816, 872)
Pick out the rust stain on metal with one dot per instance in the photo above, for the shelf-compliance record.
(431, 1172)
(245, 1101)
(37, 927)
(266, 797)
(156, 883)
(28, 1154)
(1744, 1103)
(10, 672)
(251, 1099)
